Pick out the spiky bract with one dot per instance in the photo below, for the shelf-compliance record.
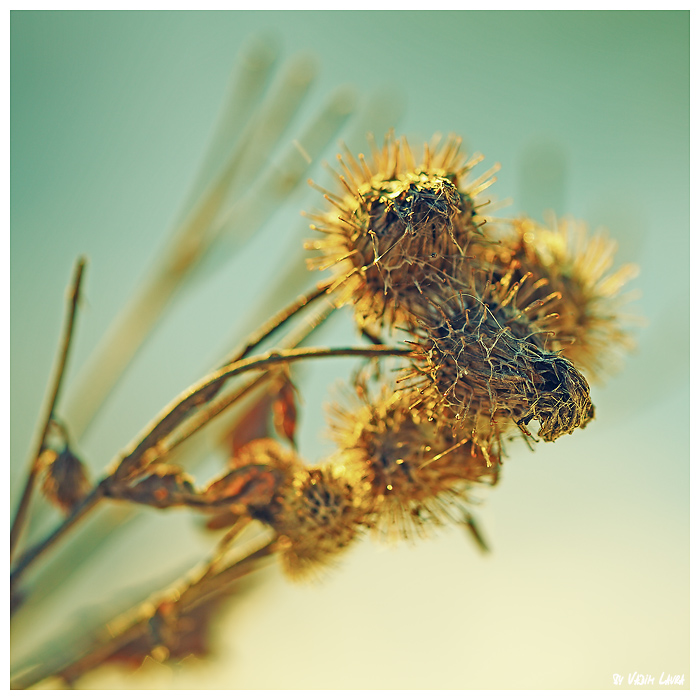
(317, 514)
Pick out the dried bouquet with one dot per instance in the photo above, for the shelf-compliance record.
(475, 331)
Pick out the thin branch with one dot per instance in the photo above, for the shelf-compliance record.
(277, 321)
(213, 409)
(206, 416)
(52, 400)
(142, 452)
(145, 449)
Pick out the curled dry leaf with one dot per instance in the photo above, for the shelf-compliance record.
(253, 424)
(65, 483)
(252, 481)
(242, 488)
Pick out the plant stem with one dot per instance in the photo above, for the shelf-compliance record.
(185, 596)
(204, 417)
(222, 404)
(277, 321)
(145, 449)
(63, 349)
(142, 454)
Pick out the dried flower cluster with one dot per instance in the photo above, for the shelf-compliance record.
(502, 322)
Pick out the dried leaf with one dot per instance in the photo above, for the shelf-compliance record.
(65, 483)
(170, 636)
(254, 424)
(252, 481)
(167, 486)
(243, 487)
(226, 519)
(285, 410)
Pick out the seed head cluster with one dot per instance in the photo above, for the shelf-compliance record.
(503, 323)
(585, 316)
(317, 513)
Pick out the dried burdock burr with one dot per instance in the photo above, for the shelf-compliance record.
(317, 513)
(415, 472)
(586, 321)
(480, 367)
(397, 222)
(500, 321)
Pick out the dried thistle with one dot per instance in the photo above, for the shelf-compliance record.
(472, 368)
(318, 512)
(561, 263)
(416, 472)
(497, 327)
(396, 224)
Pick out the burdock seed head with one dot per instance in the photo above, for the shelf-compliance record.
(318, 512)
(414, 471)
(586, 320)
(478, 364)
(396, 224)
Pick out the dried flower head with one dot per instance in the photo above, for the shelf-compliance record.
(562, 264)
(317, 514)
(166, 486)
(415, 472)
(480, 363)
(397, 223)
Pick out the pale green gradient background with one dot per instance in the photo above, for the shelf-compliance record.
(589, 574)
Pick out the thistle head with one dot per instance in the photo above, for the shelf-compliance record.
(415, 472)
(317, 513)
(584, 316)
(397, 224)
(480, 363)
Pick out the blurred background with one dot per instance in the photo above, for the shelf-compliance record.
(588, 115)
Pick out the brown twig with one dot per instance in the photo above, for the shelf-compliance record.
(181, 598)
(142, 453)
(214, 409)
(59, 371)
(144, 450)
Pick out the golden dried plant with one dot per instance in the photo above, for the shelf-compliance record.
(501, 324)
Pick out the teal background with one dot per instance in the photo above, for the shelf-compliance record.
(588, 113)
